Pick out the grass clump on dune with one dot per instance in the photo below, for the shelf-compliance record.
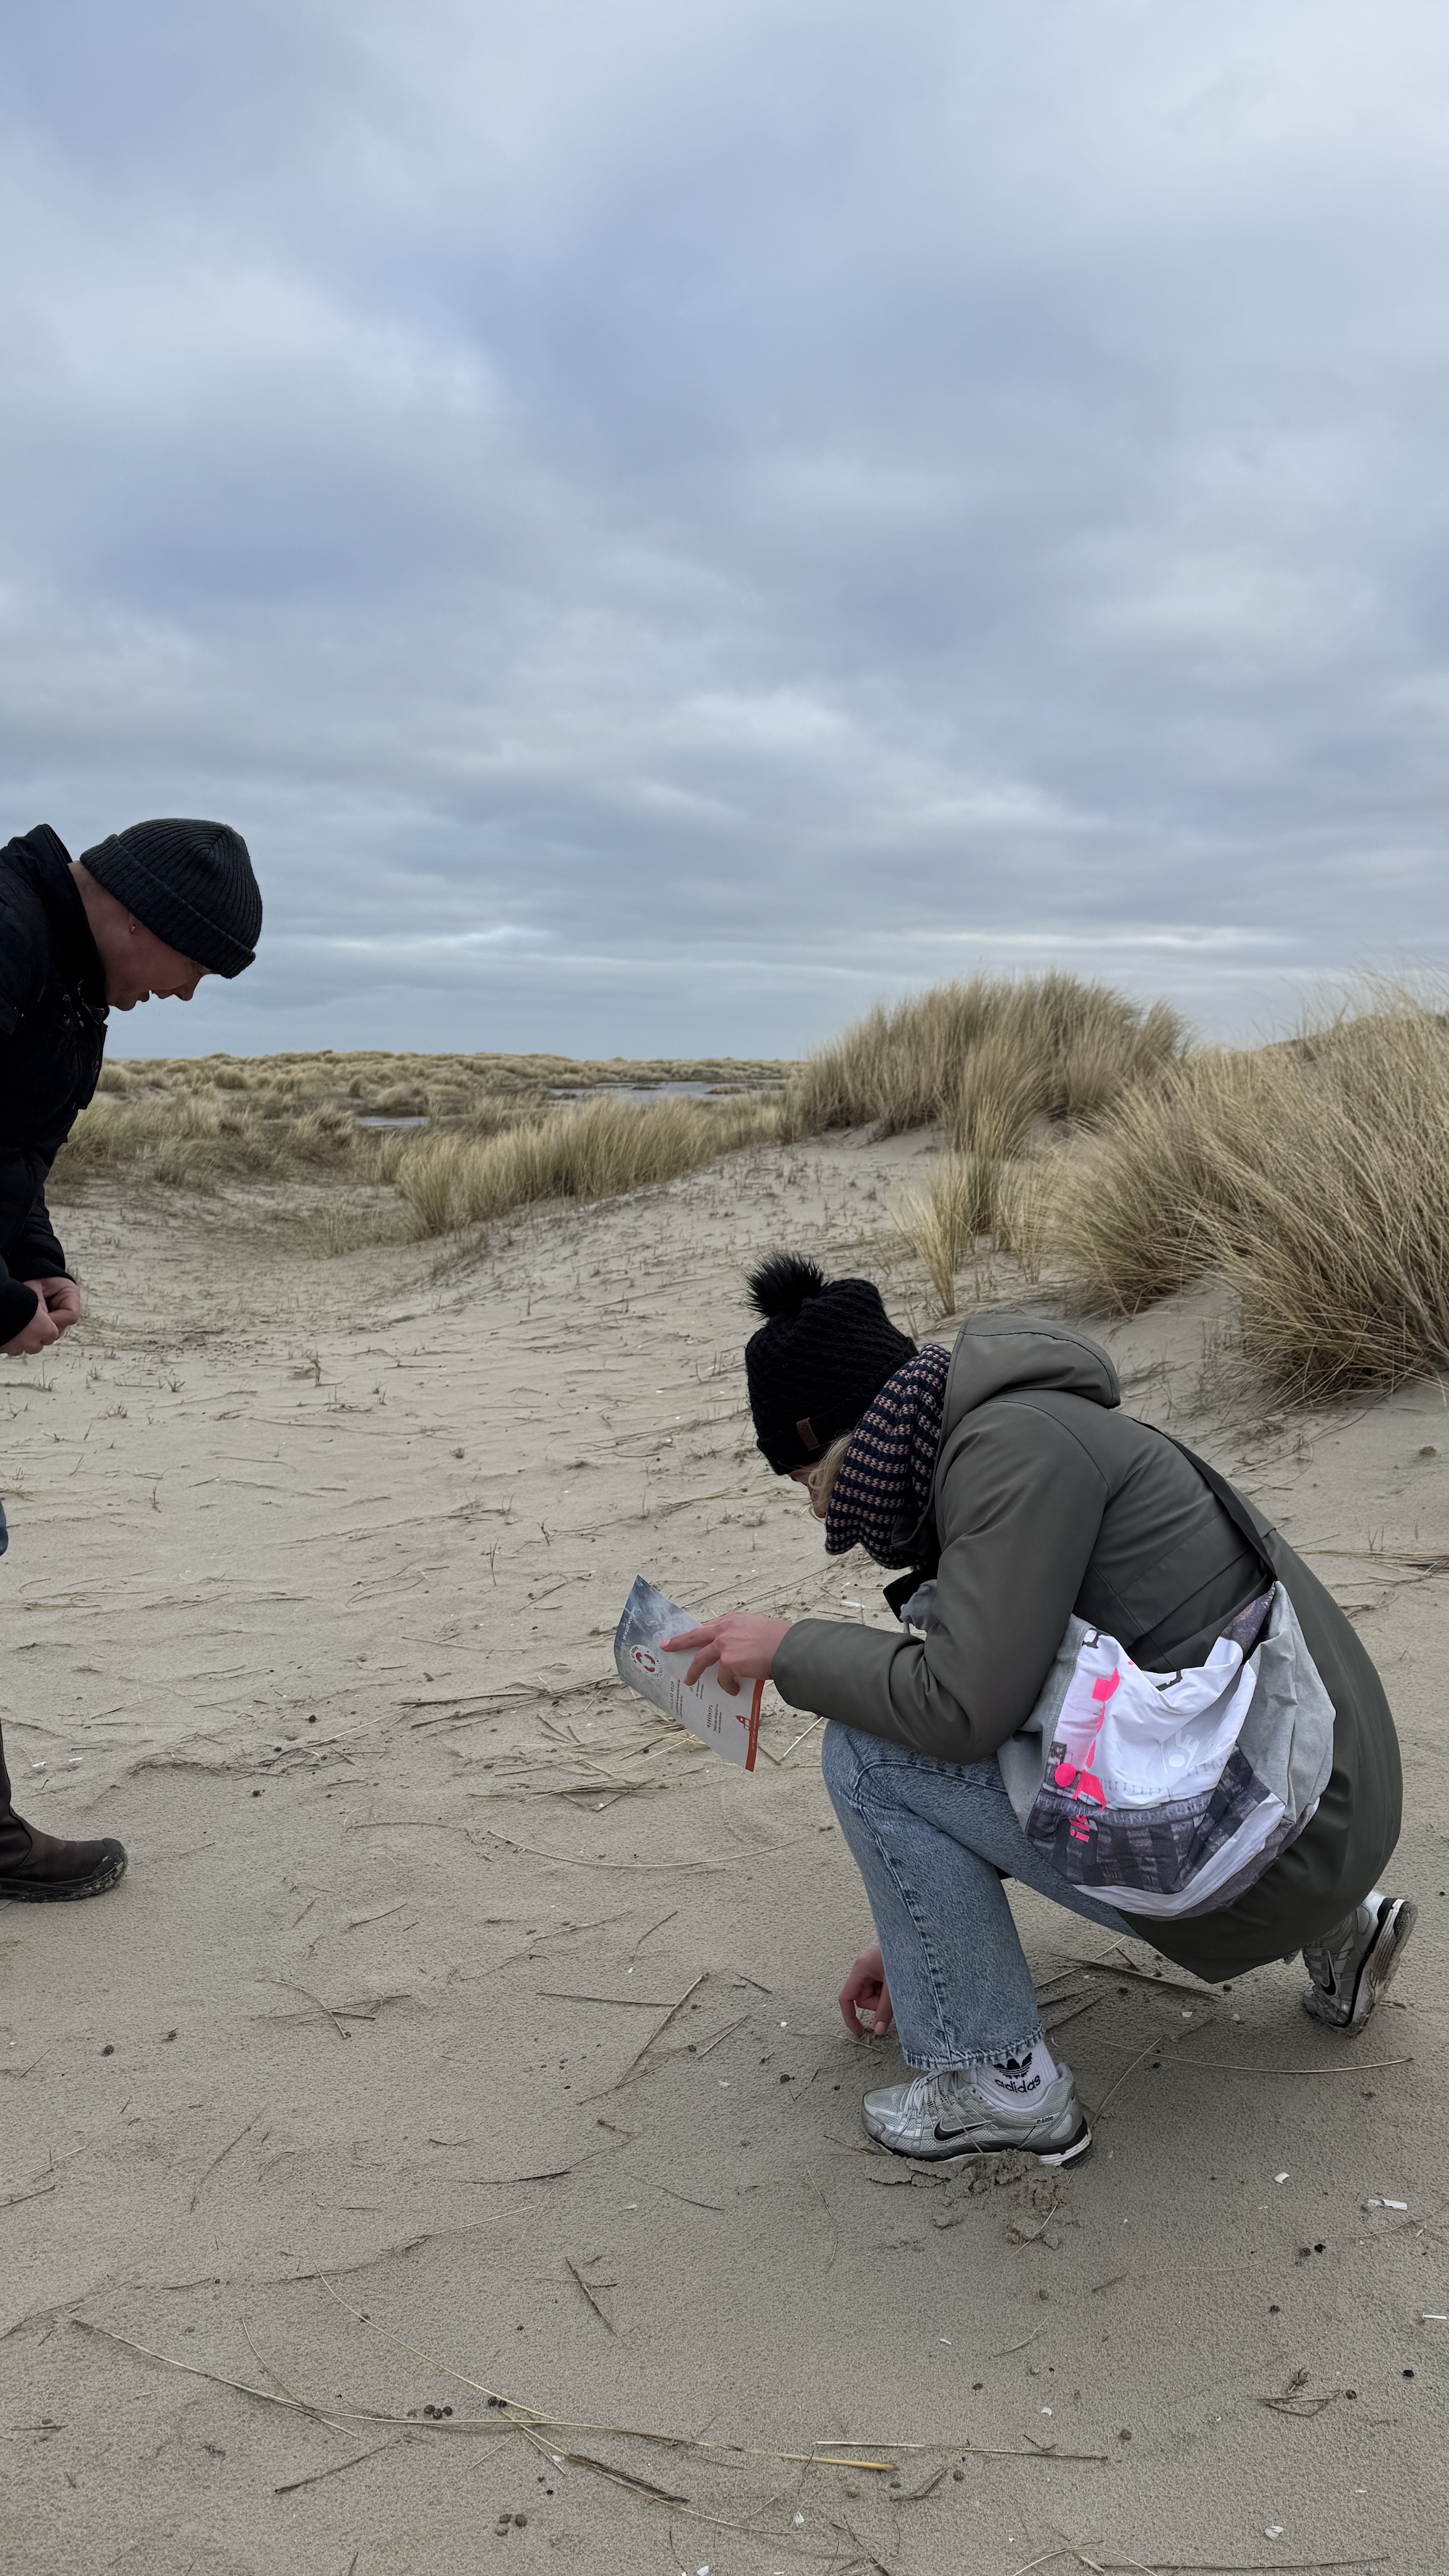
(194, 1141)
(986, 1059)
(1313, 1177)
(942, 1222)
(593, 1152)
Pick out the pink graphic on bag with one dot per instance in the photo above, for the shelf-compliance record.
(1079, 1777)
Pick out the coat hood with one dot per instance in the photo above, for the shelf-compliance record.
(995, 1353)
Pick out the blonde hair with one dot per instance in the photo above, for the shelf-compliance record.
(820, 1484)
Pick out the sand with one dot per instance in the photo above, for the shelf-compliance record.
(451, 1989)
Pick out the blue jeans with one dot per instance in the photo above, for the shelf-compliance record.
(929, 1840)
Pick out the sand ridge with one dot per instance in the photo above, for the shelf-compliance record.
(452, 1989)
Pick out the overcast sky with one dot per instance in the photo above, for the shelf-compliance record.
(663, 520)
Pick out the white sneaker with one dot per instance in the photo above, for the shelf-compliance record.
(1353, 1963)
(943, 2118)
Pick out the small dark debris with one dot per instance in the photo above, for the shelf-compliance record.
(1320, 2248)
(958, 2477)
(108, 2050)
(787, 2079)
(1125, 2435)
(1408, 2374)
(1273, 2309)
(311, 1721)
(256, 1793)
(169, 2035)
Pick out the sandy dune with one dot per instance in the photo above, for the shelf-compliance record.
(451, 1990)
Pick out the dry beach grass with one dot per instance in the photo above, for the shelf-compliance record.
(1080, 1134)
(1313, 1177)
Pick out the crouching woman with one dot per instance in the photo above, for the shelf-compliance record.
(1004, 1477)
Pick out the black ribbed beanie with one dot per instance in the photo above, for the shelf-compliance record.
(820, 1358)
(190, 884)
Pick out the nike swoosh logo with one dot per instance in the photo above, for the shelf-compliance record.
(944, 2135)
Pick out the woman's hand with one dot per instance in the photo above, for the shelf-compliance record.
(743, 1647)
(865, 2000)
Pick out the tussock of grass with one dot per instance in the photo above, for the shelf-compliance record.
(1142, 1213)
(593, 1152)
(194, 1142)
(1314, 1177)
(941, 1223)
(987, 1059)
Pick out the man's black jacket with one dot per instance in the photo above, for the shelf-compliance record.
(52, 1037)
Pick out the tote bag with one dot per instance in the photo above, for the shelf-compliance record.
(1168, 1794)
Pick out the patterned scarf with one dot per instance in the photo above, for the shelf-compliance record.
(887, 1470)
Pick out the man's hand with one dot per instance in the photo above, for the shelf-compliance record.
(743, 1647)
(60, 1299)
(865, 2001)
(35, 1336)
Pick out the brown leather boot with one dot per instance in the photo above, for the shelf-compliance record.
(37, 1869)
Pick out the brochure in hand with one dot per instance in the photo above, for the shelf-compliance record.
(729, 1722)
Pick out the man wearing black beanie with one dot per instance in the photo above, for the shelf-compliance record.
(141, 916)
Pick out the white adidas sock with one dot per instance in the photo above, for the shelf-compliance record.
(1016, 2083)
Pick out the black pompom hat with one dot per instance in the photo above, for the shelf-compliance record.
(822, 1355)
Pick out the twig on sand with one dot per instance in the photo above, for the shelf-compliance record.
(649, 2042)
(1090, 2005)
(291, 1986)
(35, 2191)
(636, 2003)
(1140, 1977)
(221, 2159)
(294, 2485)
(1362, 2561)
(721, 2034)
(918, 2495)
(650, 2184)
(622, 2477)
(1152, 2044)
(265, 2396)
(1038, 2451)
(800, 1738)
(581, 1860)
(276, 2376)
(1008, 2349)
(1239, 2066)
(653, 1928)
(606, 2322)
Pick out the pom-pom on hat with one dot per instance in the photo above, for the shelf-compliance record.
(822, 1355)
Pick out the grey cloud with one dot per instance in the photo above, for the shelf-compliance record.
(662, 523)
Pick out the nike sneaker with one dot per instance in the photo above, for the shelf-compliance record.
(1353, 1963)
(1021, 2108)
